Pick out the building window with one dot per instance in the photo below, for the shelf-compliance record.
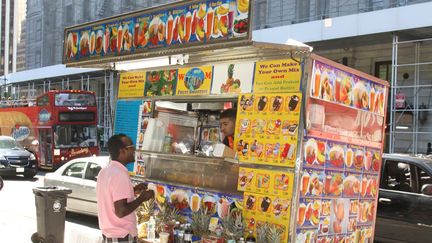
(322, 9)
(38, 30)
(86, 12)
(303, 10)
(383, 70)
(260, 14)
(38, 58)
(69, 15)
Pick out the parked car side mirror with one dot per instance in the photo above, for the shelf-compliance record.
(427, 189)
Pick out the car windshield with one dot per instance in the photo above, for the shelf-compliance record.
(75, 99)
(68, 136)
(9, 144)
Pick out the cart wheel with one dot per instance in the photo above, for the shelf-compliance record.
(1, 183)
(36, 238)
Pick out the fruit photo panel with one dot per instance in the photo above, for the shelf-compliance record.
(308, 213)
(352, 185)
(312, 183)
(336, 156)
(333, 183)
(315, 153)
(232, 78)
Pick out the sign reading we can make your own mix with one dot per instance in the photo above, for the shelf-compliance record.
(235, 78)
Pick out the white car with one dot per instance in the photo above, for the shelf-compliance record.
(80, 176)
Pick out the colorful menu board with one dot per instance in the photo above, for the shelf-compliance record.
(341, 156)
(335, 85)
(188, 200)
(173, 26)
(267, 128)
(233, 78)
(337, 192)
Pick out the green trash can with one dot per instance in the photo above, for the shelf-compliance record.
(50, 213)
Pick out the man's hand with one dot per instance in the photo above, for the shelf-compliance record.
(147, 195)
(141, 187)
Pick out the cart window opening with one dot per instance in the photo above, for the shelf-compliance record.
(69, 136)
(75, 99)
(76, 116)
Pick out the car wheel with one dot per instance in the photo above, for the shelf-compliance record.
(29, 175)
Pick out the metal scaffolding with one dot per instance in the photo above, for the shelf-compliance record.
(410, 97)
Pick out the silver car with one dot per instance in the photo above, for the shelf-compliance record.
(80, 176)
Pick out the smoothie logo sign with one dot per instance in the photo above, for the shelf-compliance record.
(194, 81)
(20, 133)
(44, 116)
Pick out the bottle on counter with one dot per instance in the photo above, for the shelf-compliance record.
(188, 234)
(241, 240)
(250, 238)
(176, 229)
(231, 238)
(180, 234)
(151, 226)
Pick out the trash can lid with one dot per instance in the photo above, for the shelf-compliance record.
(51, 190)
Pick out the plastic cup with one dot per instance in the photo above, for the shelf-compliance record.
(163, 237)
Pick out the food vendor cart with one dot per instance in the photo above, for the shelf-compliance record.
(309, 132)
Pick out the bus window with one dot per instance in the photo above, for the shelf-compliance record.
(43, 101)
(75, 99)
(67, 136)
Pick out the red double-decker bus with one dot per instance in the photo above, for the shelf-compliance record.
(57, 126)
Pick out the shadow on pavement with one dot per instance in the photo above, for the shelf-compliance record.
(19, 178)
(86, 220)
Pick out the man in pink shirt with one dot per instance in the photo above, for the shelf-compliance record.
(116, 194)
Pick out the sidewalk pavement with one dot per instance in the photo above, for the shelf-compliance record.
(75, 233)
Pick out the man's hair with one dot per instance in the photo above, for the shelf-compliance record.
(115, 143)
(229, 113)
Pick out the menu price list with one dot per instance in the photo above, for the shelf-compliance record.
(269, 182)
(264, 209)
(267, 128)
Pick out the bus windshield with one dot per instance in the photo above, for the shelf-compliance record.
(68, 136)
(75, 99)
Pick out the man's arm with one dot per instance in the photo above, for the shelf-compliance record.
(123, 208)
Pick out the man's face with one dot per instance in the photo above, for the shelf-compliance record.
(227, 126)
(128, 150)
